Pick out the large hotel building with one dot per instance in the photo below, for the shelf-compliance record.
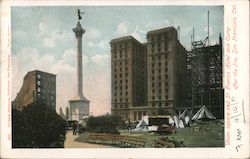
(148, 79)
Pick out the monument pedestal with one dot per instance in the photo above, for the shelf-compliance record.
(79, 108)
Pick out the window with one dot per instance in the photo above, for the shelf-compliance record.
(39, 83)
(39, 76)
(38, 89)
(152, 39)
(153, 105)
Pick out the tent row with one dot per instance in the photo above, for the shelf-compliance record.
(151, 123)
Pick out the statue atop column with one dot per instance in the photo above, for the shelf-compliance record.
(79, 14)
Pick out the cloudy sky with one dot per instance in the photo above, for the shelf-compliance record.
(42, 39)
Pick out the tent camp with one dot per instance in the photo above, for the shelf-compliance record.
(203, 113)
(151, 123)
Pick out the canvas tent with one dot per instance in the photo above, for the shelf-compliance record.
(203, 113)
(142, 125)
(185, 116)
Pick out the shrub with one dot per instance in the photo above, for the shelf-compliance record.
(103, 124)
(37, 126)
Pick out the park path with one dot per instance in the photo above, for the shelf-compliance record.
(70, 143)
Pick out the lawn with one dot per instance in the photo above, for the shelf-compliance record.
(209, 134)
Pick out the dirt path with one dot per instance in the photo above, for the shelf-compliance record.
(70, 143)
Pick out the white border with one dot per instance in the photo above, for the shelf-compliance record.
(242, 93)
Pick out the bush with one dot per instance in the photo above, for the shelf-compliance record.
(37, 126)
(103, 124)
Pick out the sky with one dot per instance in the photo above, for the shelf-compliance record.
(42, 39)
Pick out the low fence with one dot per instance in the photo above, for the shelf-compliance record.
(117, 140)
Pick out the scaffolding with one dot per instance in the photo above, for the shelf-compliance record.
(205, 65)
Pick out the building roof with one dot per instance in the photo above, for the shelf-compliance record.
(37, 71)
(161, 30)
(124, 38)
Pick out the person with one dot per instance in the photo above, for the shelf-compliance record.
(74, 126)
(129, 126)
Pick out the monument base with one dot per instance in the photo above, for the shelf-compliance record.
(79, 108)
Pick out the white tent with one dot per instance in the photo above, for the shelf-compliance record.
(185, 116)
(178, 122)
(142, 125)
(203, 113)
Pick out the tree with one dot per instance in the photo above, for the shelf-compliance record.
(38, 126)
(103, 124)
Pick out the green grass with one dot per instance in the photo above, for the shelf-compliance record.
(210, 134)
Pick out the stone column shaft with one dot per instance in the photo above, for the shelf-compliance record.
(79, 31)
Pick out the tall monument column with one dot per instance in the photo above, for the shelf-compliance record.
(79, 105)
(79, 31)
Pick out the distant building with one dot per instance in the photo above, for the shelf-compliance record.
(37, 85)
(129, 72)
(148, 79)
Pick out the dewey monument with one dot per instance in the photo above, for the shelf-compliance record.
(79, 105)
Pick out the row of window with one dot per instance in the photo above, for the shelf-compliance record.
(159, 37)
(120, 45)
(159, 97)
(126, 93)
(159, 104)
(120, 69)
(121, 75)
(116, 87)
(120, 106)
(120, 63)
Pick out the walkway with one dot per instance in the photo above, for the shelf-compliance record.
(70, 143)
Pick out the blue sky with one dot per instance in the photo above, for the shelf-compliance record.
(42, 38)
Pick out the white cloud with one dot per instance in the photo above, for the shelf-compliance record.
(211, 30)
(51, 34)
(55, 38)
(137, 33)
(48, 25)
(122, 29)
(157, 25)
(104, 44)
(96, 82)
(100, 59)
(93, 34)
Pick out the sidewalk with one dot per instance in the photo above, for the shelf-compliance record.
(70, 143)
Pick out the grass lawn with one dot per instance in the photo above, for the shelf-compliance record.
(210, 134)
